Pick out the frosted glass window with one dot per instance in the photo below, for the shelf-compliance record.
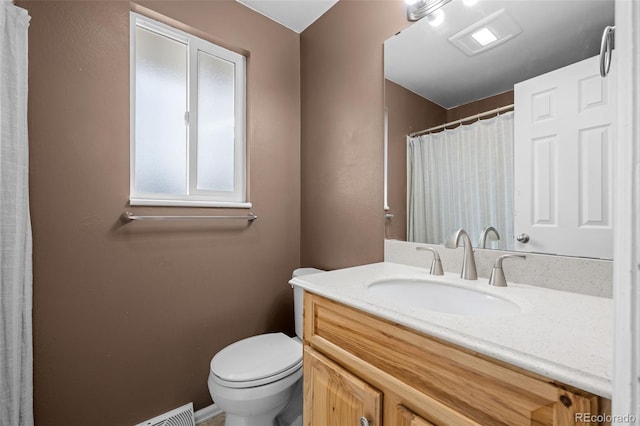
(188, 118)
(216, 123)
(161, 102)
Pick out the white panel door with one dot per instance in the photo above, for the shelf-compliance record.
(564, 131)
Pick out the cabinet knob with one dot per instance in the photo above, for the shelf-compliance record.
(364, 421)
(523, 238)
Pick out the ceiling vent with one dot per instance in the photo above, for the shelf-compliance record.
(182, 416)
(486, 34)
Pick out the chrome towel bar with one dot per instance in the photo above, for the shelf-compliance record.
(129, 216)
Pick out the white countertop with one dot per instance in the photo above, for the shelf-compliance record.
(565, 336)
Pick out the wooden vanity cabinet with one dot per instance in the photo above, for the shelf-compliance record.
(359, 365)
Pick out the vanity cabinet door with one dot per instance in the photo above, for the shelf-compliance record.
(406, 417)
(335, 397)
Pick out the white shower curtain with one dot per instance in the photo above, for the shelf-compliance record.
(462, 178)
(16, 353)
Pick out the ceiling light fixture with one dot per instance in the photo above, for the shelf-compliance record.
(418, 9)
(484, 36)
(488, 33)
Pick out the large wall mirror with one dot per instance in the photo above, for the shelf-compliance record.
(498, 122)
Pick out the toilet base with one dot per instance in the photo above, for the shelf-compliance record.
(231, 420)
(267, 419)
(260, 405)
(289, 415)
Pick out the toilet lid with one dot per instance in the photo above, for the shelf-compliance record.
(257, 357)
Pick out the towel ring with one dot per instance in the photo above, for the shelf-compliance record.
(606, 50)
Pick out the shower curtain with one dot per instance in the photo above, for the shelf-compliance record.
(16, 353)
(462, 178)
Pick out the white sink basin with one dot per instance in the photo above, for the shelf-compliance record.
(441, 297)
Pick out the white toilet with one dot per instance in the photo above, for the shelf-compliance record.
(257, 381)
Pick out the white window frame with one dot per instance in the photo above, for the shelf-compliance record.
(194, 197)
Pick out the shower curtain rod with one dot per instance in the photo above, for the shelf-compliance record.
(462, 120)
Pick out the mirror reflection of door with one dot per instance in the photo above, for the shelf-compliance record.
(564, 131)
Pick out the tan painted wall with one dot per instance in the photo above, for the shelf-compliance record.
(127, 317)
(342, 125)
(407, 113)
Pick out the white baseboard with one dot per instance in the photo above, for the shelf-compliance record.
(207, 413)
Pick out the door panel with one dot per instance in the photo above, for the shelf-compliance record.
(335, 397)
(564, 129)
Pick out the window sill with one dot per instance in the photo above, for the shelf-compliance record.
(189, 203)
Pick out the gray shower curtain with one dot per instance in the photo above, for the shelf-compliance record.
(16, 348)
(462, 178)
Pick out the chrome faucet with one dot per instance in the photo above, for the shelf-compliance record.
(436, 264)
(485, 233)
(469, 262)
(497, 274)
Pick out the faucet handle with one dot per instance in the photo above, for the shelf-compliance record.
(497, 277)
(499, 260)
(436, 264)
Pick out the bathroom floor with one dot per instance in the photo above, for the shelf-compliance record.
(216, 421)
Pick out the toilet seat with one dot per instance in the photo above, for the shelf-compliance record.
(257, 360)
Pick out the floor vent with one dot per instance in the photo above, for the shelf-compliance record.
(182, 416)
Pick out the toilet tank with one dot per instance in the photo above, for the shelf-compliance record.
(298, 292)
